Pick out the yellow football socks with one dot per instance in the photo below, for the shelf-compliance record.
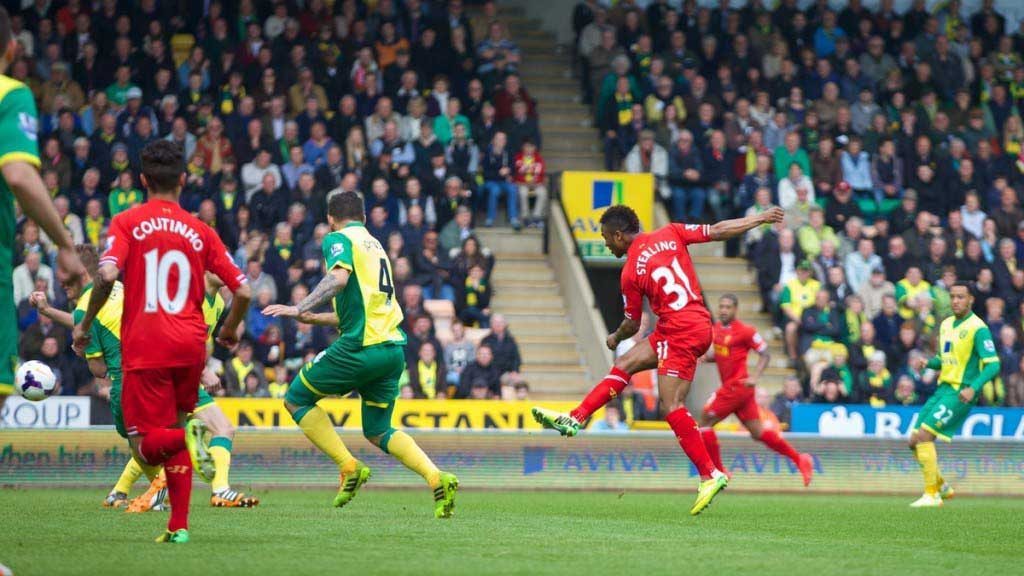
(222, 464)
(318, 428)
(132, 472)
(929, 460)
(405, 449)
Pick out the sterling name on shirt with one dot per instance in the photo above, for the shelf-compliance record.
(652, 250)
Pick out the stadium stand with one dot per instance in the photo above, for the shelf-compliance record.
(891, 140)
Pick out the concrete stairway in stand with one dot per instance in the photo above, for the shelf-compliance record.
(526, 293)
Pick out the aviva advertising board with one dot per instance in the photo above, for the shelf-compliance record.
(586, 195)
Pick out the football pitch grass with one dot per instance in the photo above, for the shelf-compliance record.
(65, 531)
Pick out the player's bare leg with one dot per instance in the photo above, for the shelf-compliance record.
(672, 392)
(223, 435)
(922, 442)
(639, 358)
(773, 440)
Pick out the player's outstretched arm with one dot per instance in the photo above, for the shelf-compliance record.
(35, 202)
(102, 284)
(732, 228)
(319, 318)
(332, 283)
(228, 336)
(39, 301)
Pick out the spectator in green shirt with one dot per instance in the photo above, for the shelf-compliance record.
(124, 195)
(811, 235)
(791, 152)
(117, 93)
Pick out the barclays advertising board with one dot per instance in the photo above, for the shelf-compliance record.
(860, 420)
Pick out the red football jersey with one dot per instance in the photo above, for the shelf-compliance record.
(731, 345)
(163, 253)
(658, 266)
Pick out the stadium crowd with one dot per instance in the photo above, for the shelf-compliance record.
(893, 141)
(415, 104)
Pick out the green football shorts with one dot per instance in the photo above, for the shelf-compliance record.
(9, 336)
(343, 368)
(943, 414)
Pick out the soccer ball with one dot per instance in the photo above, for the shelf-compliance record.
(35, 380)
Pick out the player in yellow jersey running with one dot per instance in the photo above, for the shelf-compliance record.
(368, 356)
(104, 359)
(966, 360)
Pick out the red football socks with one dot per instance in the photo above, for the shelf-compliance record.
(178, 469)
(773, 440)
(605, 391)
(689, 437)
(711, 444)
(159, 445)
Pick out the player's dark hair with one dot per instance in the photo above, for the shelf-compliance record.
(346, 205)
(5, 29)
(162, 164)
(90, 258)
(731, 298)
(962, 284)
(621, 219)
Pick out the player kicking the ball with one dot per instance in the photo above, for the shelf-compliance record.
(733, 340)
(164, 253)
(658, 267)
(966, 360)
(368, 356)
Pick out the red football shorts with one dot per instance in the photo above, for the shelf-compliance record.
(151, 398)
(679, 344)
(733, 399)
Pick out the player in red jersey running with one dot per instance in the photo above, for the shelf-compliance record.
(732, 341)
(164, 253)
(658, 266)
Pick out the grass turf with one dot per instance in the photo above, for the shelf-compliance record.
(55, 532)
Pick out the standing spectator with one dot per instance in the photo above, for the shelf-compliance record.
(498, 177)
(481, 374)
(473, 298)
(782, 404)
(26, 274)
(238, 369)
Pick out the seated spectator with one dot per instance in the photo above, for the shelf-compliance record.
(795, 187)
(26, 274)
(783, 402)
(522, 127)
(819, 332)
(812, 235)
(444, 124)
(826, 167)
(458, 353)
(473, 298)
(254, 387)
(619, 122)
(791, 152)
(432, 268)
(874, 290)
(427, 375)
(268, 203)
(253, 173)
(861, 264)
(238, 368)
(612, 421)
(647, 157)
(269, 348)
(829, 390)
(529, 176)
(904, 393)
(1015, 386)
(481, 379)
(875, 384)
(886, 171)
(295, 167)
(504, 347)
(279, 386)
(457, 230)
(496, 53)
(686, 180)
(841, 207)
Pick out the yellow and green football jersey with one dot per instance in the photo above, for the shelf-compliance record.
(18, 142)
(965, 346)
(367, 310)
(213, 308)
(105, 331)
